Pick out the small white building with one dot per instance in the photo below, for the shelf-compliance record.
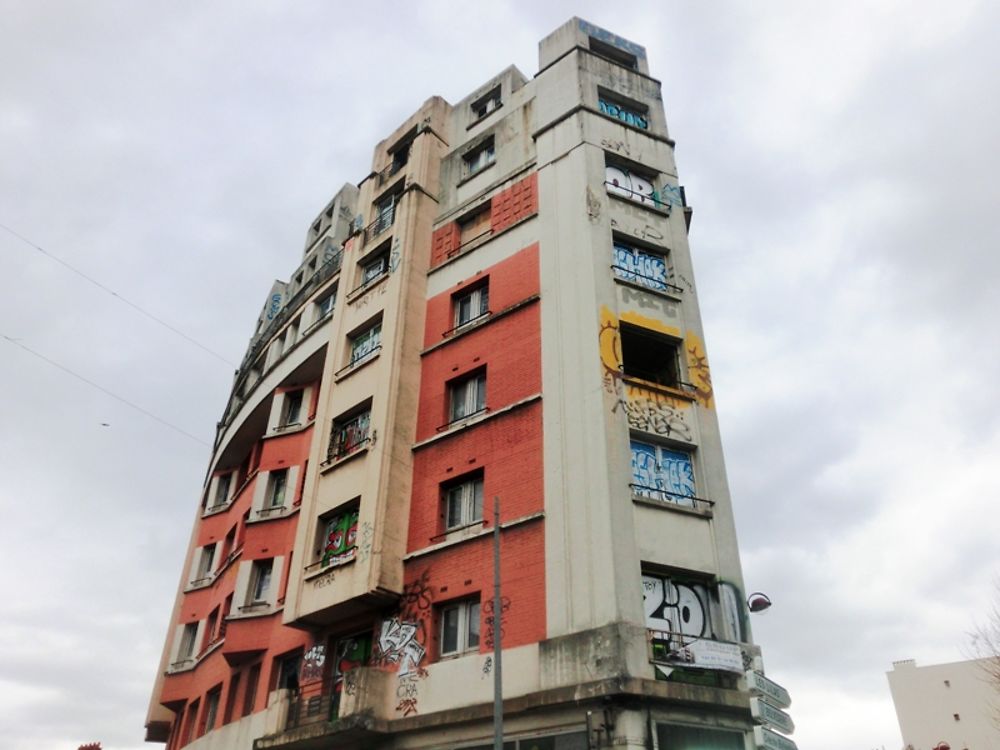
(945, 704)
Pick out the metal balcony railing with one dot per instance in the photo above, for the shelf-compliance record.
(674, 498)
(651, 282)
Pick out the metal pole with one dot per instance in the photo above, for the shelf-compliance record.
(497, 609)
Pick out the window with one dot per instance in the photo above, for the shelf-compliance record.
(472, 227)
(471, 305)
(464, 502)
(479, 158)
(210, 628)
(250, 697)
(222, 485)
(366, 342)
(640, 266)
(663, 474)
(260, 581)
(292, 334)
(211, 709)
(277, 482)
(460, 627)
(234, 686)
(186, 648)
(339, 537)
(698, 738)
(385, 212)
(468, 397)
(374, 268)
(486, 104)
(204, 571)
(324, 305)
(348, 435)
(650, 356)
(613, 53)
(288, 672)
(629, 114)
(631, 185)
(292, 408)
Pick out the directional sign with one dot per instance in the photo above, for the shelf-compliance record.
(771, 716)
(759, 684)
(772, 740)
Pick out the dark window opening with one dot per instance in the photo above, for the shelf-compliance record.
(614, 54)
(650, 356)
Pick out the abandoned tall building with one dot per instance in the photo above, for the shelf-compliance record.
(504, 308)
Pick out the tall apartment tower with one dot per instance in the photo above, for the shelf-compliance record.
(505, 309)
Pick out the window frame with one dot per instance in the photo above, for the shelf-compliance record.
(643, 258)
(467, 494)
(463, 627)
(337, 448)
(373, 331)
(480, 157)
(343, 520)
(469, 393)
(668, 486)
(259, 585)
(478, 297)
(290, 399)
(672, 376)
(277, 489)
(486, 104)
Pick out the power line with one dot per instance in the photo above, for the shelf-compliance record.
(113, 293)
(105, 390)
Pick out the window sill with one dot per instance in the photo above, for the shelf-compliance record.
(477, 242)
(257, 609)
(186, 665)
(649, 206)
(262, 515)
(701, 508)
(354, 294)
(473, 175)
(666, 294)
(484, 118)
(486, 530)
(353, 367)
(478, 323)
(667, 390)
(331, 464)
(290, 429)
(474, 421)
(317, 570)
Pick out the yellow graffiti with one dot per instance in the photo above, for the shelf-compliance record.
(652, 324)
(698, 372)
(610, 342)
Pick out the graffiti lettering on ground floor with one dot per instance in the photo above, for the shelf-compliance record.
(398, 645)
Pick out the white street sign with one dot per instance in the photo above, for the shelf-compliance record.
(772, 740)
(771, 690)
(772, 716)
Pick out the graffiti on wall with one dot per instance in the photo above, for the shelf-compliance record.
(340, 538)
(644, 232)
(350, 654)
(698, 372)
(493, 624)
(401, 642)
(658, 413)
(679, 614)
(365, 543)
(274, 306)
(312, 663)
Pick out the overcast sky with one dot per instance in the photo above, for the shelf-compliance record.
(841, 159)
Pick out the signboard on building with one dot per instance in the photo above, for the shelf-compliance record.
(696, 652)
(760, 685)
(771, 716)
(765, 738)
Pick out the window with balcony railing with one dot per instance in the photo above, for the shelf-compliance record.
(348, 435)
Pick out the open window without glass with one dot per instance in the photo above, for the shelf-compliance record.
(650, 356)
